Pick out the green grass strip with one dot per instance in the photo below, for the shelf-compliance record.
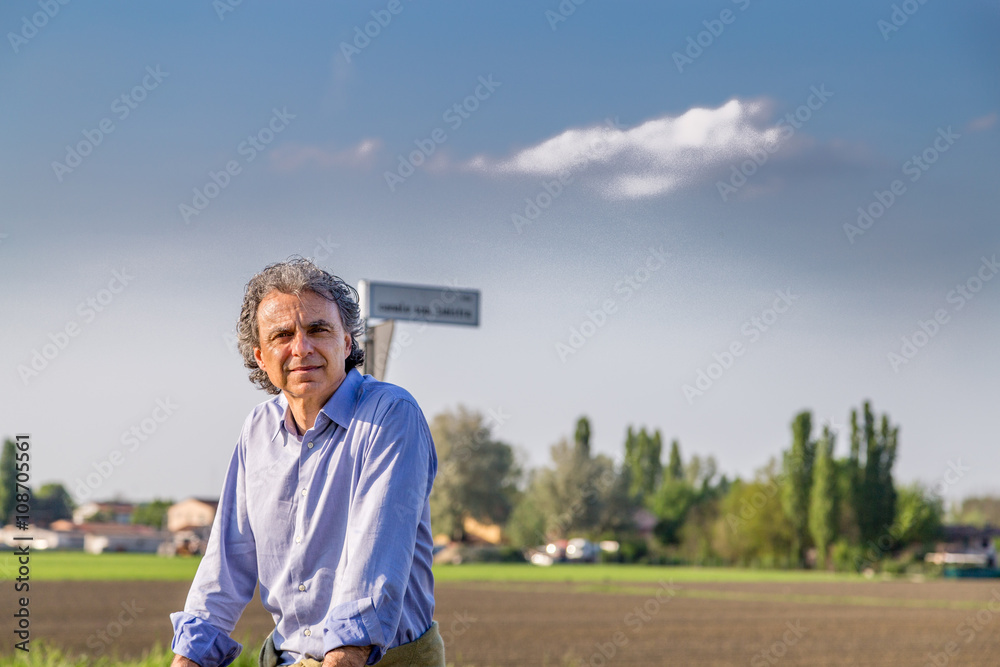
(77, 566)
(734, 596)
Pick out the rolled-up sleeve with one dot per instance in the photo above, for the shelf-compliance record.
(394, 483)
(225, 581)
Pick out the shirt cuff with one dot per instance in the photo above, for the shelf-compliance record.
(198, 640)
(355, 623)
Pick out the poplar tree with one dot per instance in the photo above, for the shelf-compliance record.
(675, 468)
(823, 501)
(642, 461)
(8, 479)
(873, 491)
(798, 473)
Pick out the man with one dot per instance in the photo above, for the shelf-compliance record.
(326, 498)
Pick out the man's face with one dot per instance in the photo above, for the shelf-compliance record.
(303, 344)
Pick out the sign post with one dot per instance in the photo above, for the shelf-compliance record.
(416, 303)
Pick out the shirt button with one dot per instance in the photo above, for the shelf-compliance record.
(303, 492)
(310, 445)
(298, 539)
(302, 587)
(307, 633)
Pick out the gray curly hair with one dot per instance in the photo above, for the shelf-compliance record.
(295, 276)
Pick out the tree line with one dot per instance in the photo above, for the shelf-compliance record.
(809, 507)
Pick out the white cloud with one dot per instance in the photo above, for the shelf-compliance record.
(294, 156)
(657, 157)
(982, 123)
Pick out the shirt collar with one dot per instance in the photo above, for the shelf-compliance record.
(339, 408)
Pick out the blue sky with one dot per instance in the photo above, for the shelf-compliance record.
(659, 178)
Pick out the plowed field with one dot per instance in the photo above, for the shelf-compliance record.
(496, 624)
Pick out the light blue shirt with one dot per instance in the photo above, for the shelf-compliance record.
(335, 525)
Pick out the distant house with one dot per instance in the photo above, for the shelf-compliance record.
(486, 533)
(109, 512)
(966, 545)
(115, 538)
(191, 513)
(56, 536)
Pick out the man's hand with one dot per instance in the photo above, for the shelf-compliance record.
(181, 661)
(347, 656)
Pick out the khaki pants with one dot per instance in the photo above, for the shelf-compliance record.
(425, 651)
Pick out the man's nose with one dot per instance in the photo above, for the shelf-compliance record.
(301, 344)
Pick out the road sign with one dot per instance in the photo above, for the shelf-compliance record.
(435, 305)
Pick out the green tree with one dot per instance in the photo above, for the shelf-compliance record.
(753, 529)
(875, 506)
(700, 472)
(798, 474)
(823, 501)
(8, 480)
(616, 510)
(675, 468)
(642, 461)
(671, 504)
(477, 475)
(979, 511)
(527, 525)
(152, 514)
(51, 503)
(579, 494)
(582, 437)
(919, 516)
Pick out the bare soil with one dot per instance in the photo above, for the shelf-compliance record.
(495, 625)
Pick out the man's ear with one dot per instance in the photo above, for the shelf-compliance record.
(257, 357)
